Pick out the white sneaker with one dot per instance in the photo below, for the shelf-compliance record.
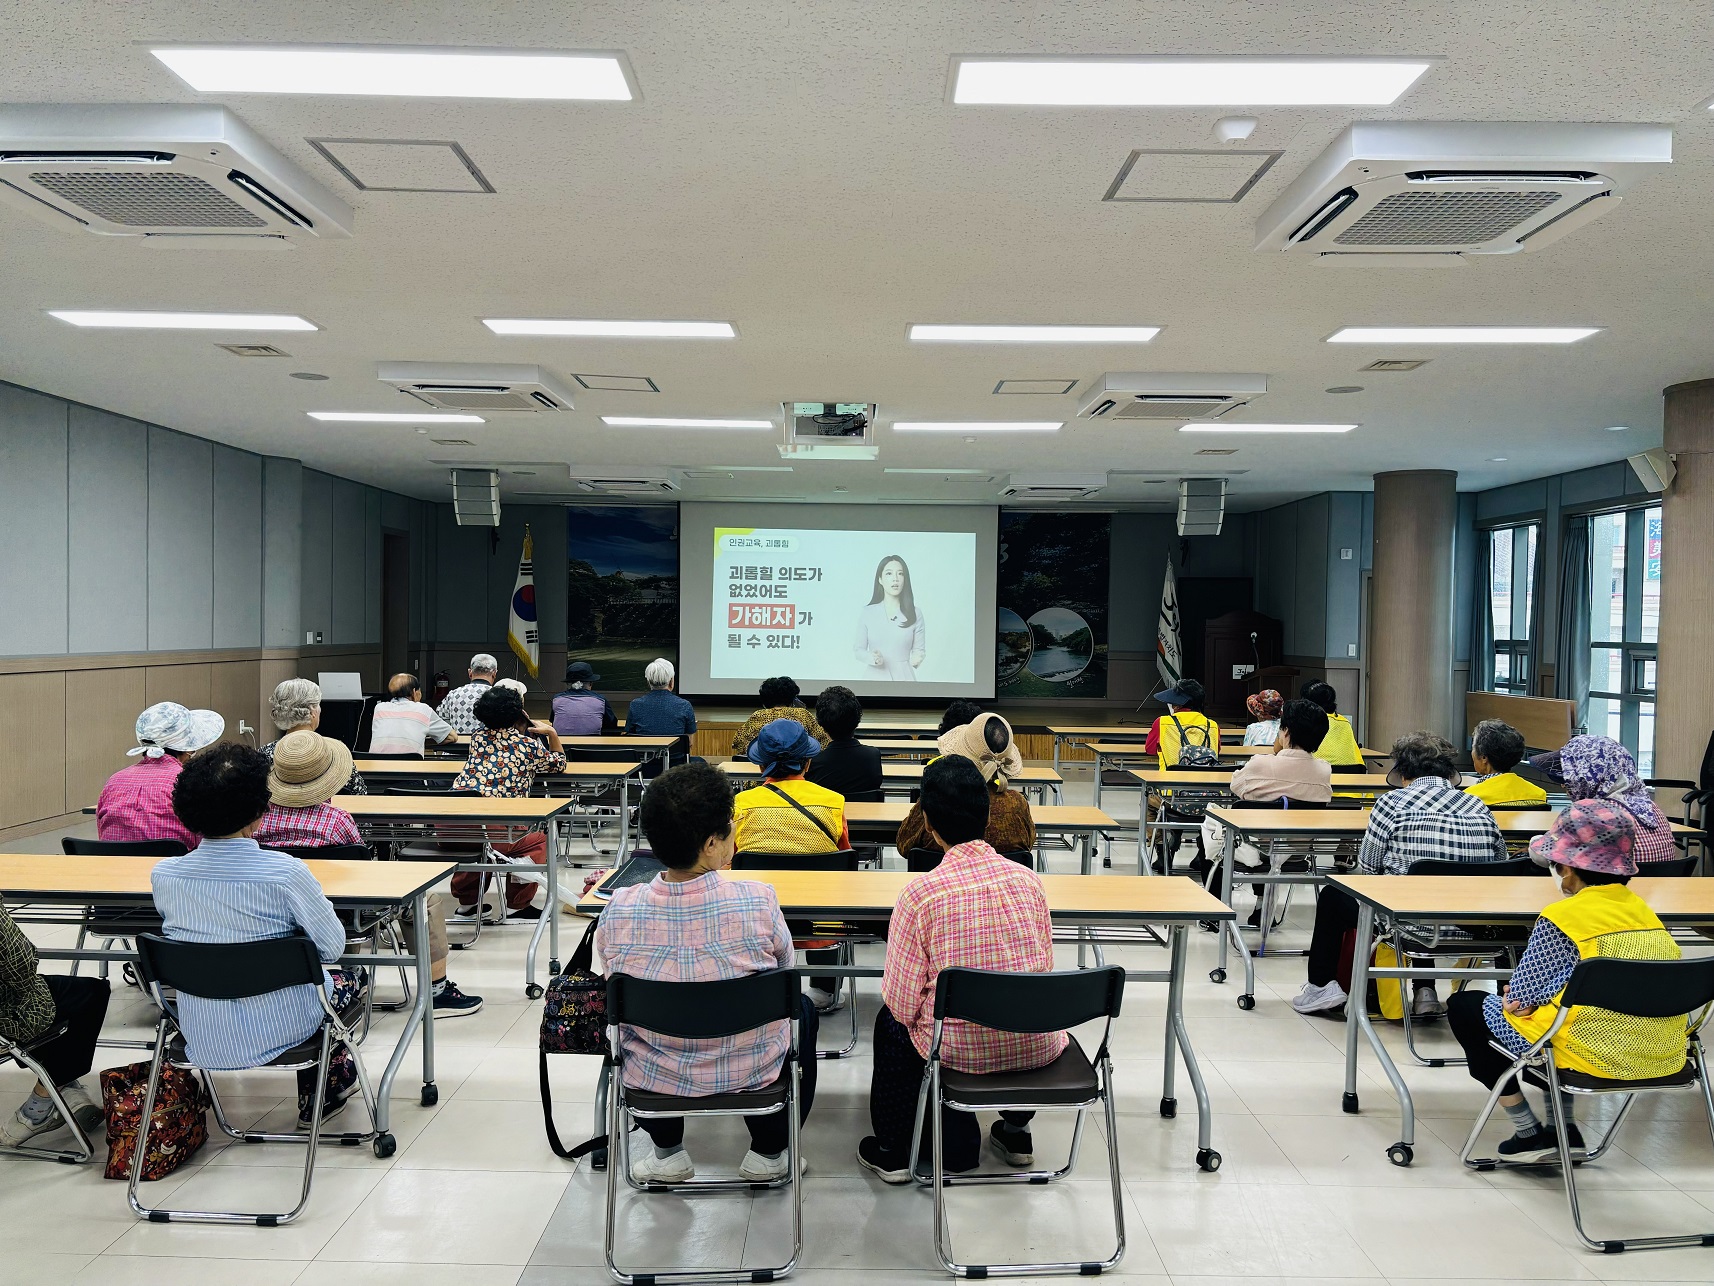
(825, 1002)
(649, 1168)
(1318, 1000)
(88, 1113)
(17, 1129)
(759, 1169)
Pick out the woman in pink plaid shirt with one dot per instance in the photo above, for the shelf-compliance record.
(976, 910)
(690, 925)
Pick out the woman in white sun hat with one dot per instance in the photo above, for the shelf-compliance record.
(137, 802)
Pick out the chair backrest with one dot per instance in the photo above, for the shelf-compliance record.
(411, 789)
(1671, 867)
(1446, 866)
(122, 847)
(844, 860)
(324, 852)
(1356, 768)
(1642, 988)
(704, 1010)
(867, 797)
(919, 860)
(1029, 1002)
(392, 754)
(1291, 804)
(228, 970)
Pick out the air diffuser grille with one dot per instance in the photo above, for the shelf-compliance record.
(458, 397)
(149, 200)
(1172, 408)
(1444, 218)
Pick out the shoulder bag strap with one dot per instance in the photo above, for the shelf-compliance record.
(819, 824)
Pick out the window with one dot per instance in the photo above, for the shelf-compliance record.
(1511, 601)
(1624, 627)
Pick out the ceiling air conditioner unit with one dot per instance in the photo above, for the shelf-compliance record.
(174, 173)
(1053, 486)
(1439, 188)
(476, 497)
(475, 386)
(618, 483)
(1201, 506)
(829, 431)
(1169, 395)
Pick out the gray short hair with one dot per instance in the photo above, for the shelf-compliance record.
(294, 702)
(660, 673)
(1499, 743)
(484, 663)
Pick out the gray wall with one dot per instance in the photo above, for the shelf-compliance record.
(475, 573)
(1303, 577)
(128, 537)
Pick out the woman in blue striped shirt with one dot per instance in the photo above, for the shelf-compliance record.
(231, 889)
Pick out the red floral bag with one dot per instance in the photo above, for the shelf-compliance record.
(179, 1124)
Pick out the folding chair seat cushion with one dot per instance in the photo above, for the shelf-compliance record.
(57, 1029)
(1683, 1078)
(744, 1100)
(1066, 1082)
(123, 924)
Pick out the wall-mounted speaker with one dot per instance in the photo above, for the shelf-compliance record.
(1654, 469)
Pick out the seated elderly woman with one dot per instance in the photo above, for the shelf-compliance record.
(779, 701)
(137, 802)
(1590, 848)
(31, 1004)
(231, 889)
(788, 813)
(1495, 749)
(308, 771)
(1601, 768)
(690, 925)
(506, 753)
(1264, 708)
(296, 707)
(987, 742)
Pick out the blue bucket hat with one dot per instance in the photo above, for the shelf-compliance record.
(782, 745)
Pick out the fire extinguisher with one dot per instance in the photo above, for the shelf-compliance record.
(442, 685)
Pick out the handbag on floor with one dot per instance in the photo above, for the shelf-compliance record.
(574, 1021)
(178, 1126)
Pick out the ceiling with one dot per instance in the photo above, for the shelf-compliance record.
(798, 170)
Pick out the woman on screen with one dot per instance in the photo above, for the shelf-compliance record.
(890, 633)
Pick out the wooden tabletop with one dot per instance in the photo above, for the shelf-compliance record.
(906, 772)
(1511, 898)
(1055, 819)
(58, 877)
(1354, 821)
(1223, 777)
(1073, 899)
(473, 808)
(576, 770)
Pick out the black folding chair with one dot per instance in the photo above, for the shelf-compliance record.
(848, 935)
(238, 971)
(392, 754)
(1637, 989)
(1073, 1082)
(106, 924)
(21, 1052)
(918, 860)
(702, 1011)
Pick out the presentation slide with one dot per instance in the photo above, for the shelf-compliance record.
(888, 600)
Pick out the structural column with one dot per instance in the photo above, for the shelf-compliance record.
(1410, 632)
(1684, 708)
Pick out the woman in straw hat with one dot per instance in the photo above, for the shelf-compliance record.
(309, 770)
(988, 743)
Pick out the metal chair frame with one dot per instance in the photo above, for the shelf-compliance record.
(333, 1027)
(618, 1107)
(932, 1097)
(19, 1052)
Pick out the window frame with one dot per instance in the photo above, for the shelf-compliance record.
(1634, 653)
(1520, 651)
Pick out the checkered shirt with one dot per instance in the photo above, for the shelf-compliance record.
(458, 707)
(976, 910)
(322, 826)
(699, 930)
(1428, 818)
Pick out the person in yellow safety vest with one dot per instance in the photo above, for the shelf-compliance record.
(1495, 749)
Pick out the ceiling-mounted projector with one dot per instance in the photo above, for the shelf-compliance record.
(829, 431)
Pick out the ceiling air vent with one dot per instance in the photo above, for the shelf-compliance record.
(1053, 486)
(472, 386)
(1170, 395)
(184, 173)
(626, 484)
(476, 497)
(253, 350)
(1438, 188)
(1201, 506)
(1397, 364)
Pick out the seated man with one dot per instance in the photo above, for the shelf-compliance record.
(976, 910)
(1495, 749)
(403, 724)
(458, 707)
(505, 756)
(32, 1003)
(661, 712)
(779, 701)
(1292, 771)
(137, 802)
(845, 765)
(581, 711)
(231, 889)
(689, 925)
(1590, 850)
(1426, 817)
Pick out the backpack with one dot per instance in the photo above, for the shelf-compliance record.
(574, 1021)
(1195, 754)
(178, 1126)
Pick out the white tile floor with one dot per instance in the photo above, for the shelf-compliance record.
(475, 1198)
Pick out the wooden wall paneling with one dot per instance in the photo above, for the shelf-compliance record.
(101, 709)
(32, 764)
(234, 691)
(189, 685)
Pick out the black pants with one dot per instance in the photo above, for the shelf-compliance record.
(893, 1090)
(769, 1134)
(1464, 1016)
(1335, 915)
(81, 1004)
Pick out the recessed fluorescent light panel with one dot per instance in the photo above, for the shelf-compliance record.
(1266, 428)
(391, 417)
(923, 333)
(1184, 82)
(658, 422)
(183, 321)
(977, 426)
(413, 73)
(1462, 334)
(610, 329)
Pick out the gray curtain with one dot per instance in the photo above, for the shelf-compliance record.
(1571, 677)
(1482, 627)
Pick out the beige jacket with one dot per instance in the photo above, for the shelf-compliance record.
(1285, 774)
